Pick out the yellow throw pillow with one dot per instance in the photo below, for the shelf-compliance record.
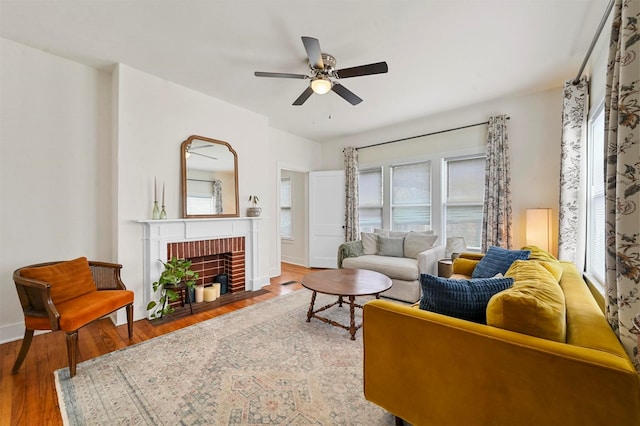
(546, 259)
(529, 269)
(535, 305)
(462, 266)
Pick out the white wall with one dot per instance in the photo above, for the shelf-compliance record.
(534, 139)
(80, 149)
(155, 116)
(55, 162)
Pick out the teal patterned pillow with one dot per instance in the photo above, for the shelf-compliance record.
(464, 299)
(497, 261)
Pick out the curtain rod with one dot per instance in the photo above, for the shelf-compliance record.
(426, 134)
(594, 41)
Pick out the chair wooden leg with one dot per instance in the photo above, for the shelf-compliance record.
(26, 344)
(72, 351)
(130, 320)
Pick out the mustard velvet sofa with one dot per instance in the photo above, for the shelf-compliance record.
(431, 369)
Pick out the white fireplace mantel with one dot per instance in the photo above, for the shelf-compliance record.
(158, 233)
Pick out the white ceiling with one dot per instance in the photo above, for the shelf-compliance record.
(442, 55)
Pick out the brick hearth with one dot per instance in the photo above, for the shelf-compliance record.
(213, 257)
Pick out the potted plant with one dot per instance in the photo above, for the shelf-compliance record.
(176, 271)
(254, 211)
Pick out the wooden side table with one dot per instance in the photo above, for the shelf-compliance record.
(182, 289)
(445, 268)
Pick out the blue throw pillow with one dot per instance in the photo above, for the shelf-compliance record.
(464, 299)
(497, 261)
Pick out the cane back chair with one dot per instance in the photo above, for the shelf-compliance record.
(67, 296)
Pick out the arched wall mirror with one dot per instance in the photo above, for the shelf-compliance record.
(209, 178)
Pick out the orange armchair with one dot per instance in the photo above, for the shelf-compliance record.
(67, 296)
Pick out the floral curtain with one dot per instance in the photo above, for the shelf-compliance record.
(575, 107)
(217, 196)
(352, 217)
(622, 174)
(496, 221)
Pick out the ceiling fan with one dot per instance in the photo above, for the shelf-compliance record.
(323, 73)
(192, 150)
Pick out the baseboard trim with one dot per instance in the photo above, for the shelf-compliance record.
(15, 331)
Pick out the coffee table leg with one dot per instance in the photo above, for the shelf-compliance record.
(352, 311)
(310, 313)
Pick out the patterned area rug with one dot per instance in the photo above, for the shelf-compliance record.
(263, 364)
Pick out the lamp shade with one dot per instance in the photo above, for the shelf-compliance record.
(320, 85)
(538, 228)
(454, 245)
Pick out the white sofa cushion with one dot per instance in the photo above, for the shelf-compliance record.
(369, 242)
(400, 268)
(417, 242)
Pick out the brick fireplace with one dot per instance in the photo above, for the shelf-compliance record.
(212, 257)
(215, 245)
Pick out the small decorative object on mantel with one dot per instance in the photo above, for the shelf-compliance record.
(254, 211)
(155, 215)
(163, 212)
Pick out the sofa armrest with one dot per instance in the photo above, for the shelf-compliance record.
(349, 249)
(428, 368)
(428, 260)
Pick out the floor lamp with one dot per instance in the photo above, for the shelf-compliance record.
(538, 228)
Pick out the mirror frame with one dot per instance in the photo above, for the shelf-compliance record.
(183, 151)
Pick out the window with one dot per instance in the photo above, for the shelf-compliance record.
(286, 229)
(411, 197)
(200, 199)
(595, 264)
(464, 199)
(370, 199)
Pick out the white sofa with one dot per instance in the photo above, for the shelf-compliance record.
(380, 252)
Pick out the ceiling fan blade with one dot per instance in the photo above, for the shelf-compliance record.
(279, 75)
(377, 68)
(346, 94)
(204, 155)
(312, 46)
(303, 97)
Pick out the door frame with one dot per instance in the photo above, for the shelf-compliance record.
(294, 168)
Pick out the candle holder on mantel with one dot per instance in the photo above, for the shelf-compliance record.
(163, 212)
(155, 215)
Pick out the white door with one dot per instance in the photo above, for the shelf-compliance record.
(326, 217)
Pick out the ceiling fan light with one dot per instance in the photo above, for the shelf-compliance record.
(320, 85)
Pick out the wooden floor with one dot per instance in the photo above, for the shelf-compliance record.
(29, 397)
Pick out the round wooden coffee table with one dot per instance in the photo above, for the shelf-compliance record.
(344, 283)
